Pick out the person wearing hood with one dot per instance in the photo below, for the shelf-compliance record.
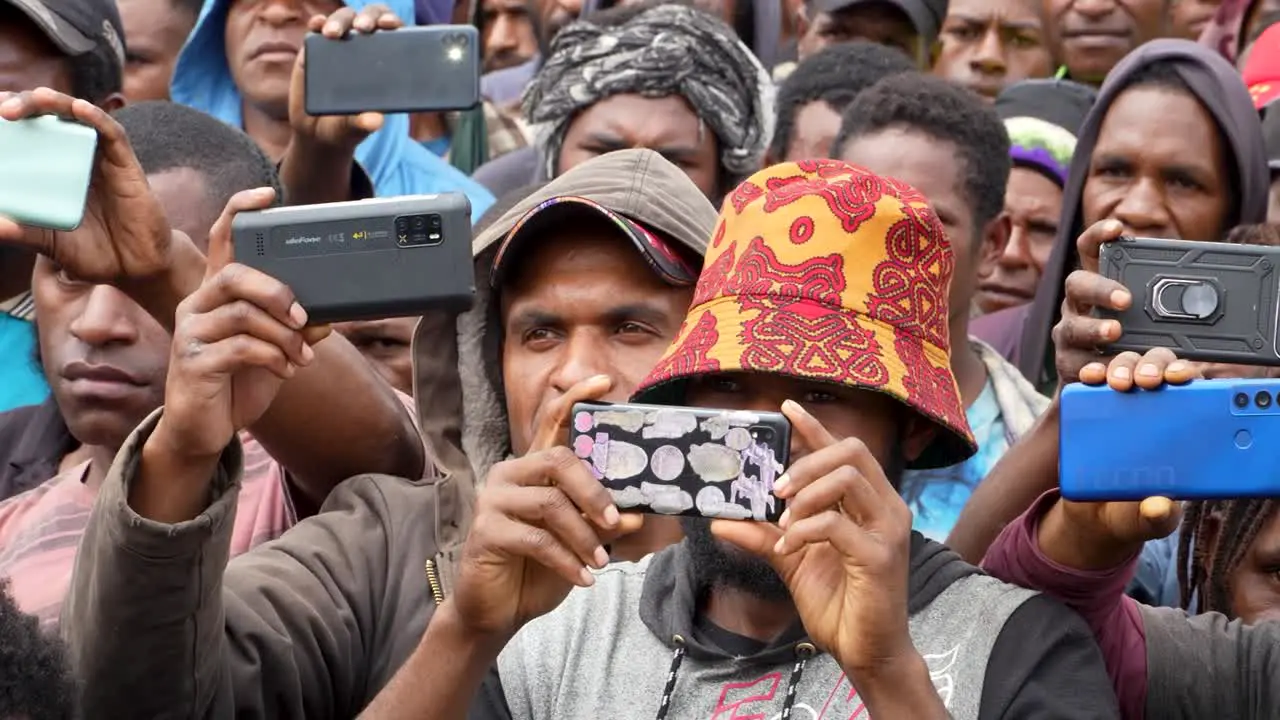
(663, 76)
(1042, 118)
(839, 608)
(312, 625)
(1171, 149)
(243, 64)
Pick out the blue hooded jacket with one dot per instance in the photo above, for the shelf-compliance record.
(397, 164)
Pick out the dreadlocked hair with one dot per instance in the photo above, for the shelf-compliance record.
(1201, 577)
(1207, 578)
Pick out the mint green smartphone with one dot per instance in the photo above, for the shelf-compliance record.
(46, 162)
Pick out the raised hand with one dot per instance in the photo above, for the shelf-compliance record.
(1079, 337)
(236, 339)
(541, 523)
(842, 547)
(124, 236)
(340, 131)
(1101, 535)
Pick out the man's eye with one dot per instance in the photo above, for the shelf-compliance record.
(819, 396)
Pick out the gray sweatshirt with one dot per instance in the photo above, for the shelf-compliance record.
(616, 649)
(1208, 666)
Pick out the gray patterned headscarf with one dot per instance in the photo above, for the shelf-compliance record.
(666, 50)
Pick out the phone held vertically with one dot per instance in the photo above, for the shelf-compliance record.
(1207, 440)
(1206, 301)
(431, 68)
(48, 165)
(365, 259)
(669, 460)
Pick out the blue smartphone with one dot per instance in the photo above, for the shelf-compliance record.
(47, 165)
(1207, 440)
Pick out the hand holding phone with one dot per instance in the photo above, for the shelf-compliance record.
(349, 129)
(1101, 533)
(1198, 440)
(84, 180)
(1079, 333)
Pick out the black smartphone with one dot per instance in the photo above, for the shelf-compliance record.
(669, 460)
(430, 68)
(366, 259)
(1214, 302)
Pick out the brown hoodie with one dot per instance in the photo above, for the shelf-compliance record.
(313, 624)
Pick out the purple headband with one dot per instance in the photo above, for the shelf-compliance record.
(1041, 159)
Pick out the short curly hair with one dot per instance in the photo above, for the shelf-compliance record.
(35, 675)
(168, 136)
(835, 75)
(944, 111)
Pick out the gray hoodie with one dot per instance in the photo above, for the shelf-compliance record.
(993, 650)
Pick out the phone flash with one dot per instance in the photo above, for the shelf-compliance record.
(454, 54)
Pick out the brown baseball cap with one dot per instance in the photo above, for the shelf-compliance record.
(652, 202)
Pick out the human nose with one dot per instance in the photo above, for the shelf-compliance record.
(1142, 210)
(583, 356)
(105, 319)
(989, 57)
(280, 12)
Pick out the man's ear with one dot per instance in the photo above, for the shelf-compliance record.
(802, 21)
(918, 432)
(113, 102)
(995, 239)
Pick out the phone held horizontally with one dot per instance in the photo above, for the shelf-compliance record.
(434, 68)
(366, 259)
(48, 163)
(668, 460)
(1214, 302)
(1207, 440)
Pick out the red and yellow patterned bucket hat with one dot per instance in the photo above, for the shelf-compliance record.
(823, 271)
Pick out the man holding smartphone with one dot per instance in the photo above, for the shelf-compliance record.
(589, 293)
(73, 46)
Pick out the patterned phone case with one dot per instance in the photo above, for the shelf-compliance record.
(685, 461)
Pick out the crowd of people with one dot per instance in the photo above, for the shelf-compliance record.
(881, 218)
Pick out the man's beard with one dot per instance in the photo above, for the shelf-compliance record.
(721, 563)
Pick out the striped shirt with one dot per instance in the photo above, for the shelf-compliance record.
(40, 529)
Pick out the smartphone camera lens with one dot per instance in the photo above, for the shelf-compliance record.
(1242, 400)
(419, 231)
(1262, 400)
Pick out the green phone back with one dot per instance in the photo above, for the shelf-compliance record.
(46, 165)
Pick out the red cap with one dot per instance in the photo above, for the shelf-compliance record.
(1262, 70)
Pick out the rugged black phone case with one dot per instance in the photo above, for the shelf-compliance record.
(685, 461)
(1205, 301)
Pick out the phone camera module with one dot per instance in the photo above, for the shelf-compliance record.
(419, 231)
(1241, 400)
(1262, 400)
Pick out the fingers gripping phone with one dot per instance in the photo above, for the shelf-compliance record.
(1215, 302)
(47, 164)
(699, 462)
(1207, 440)
(415, 69)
